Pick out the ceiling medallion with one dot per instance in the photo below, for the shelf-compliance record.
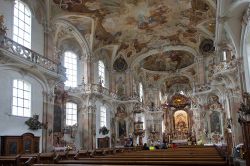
(179, 101)
(207, 46)
(120, 65)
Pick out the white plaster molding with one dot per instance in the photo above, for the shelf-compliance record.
(246, 16)
(75, 32)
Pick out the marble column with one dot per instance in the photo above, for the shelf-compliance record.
(47, 120)
(89, 128)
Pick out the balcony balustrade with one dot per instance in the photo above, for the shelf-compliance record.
(16, 51)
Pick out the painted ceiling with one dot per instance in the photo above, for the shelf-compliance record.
(139, 26)
(177, 80)
(145, 23)
(168, 61)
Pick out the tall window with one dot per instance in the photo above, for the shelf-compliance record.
(21, 99)
(224, 56)
(163, 126)
(70, 63)
(140, 91)
(160, 96)
(71, 114)
(22, 24)
(103, 113)
(101, 72)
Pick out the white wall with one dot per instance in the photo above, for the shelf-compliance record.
(11, 125)
(37, 36)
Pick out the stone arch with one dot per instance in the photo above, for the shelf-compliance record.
(65, 29)
(245, 48)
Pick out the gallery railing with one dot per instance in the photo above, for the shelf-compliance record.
(22, 52)
(225, 66)
(99, 89)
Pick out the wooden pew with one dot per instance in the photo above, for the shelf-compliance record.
(10, 160)
(46, 158)
(29, 159)
(131, 156)
(144, 162)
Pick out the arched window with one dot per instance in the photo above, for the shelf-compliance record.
(70, 63)
(22, 24)
(224, 56)
(141, 91)
(101, 72)
(71, 114)
(21, 98)
(103, 113)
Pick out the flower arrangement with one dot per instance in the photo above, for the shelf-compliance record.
(103, 130)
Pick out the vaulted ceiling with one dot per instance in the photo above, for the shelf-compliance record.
(154, 36)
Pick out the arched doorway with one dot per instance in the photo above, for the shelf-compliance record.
(181, 125)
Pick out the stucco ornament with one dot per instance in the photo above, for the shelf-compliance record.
(3, 29)
(120, 64)
(34, 123)
(103, 130)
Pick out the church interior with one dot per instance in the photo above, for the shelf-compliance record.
(121, 76)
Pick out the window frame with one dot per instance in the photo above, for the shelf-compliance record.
(73, 114)
(70, 62)
(141, 95)
(101, 72)
(20, 97)
(22, 27)
(103, 116)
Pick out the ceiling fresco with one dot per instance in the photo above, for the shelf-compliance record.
(176, 80)
(144, 23)
(168, 61)
(135, 27)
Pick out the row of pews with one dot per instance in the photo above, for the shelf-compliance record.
(184, 155)
(53, 157)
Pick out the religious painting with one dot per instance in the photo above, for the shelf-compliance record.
(120, 87)
(176, 80)
(181, 124)
(215, 122)
(57, 118)
(121, 111)
(122, 128)
(168, 61)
